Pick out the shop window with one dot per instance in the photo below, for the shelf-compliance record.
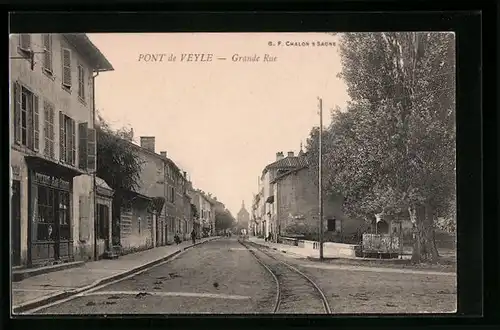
(45, 220)
(64, 216)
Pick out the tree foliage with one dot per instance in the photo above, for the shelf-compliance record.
(393, 149)
(223, 220)
(117, 163)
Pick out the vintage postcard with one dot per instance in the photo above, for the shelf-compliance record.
(223, 173)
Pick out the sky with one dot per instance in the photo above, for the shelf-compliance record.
(221, 121)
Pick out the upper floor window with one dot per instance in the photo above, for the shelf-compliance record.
(25, 42)
(81, 82)
(86, 147)
(48, 129)
(66, 68)
(47, 55)
(26, 117)
(67, 139)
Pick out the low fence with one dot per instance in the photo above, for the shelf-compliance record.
(330, 249)
(381, 245)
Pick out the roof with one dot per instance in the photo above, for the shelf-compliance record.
(101, 183)
(84, 46)
(287, 173)
(287, 163)
(152, 153)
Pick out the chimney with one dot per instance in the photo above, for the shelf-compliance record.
(279, 155)
(290, 154)
(163, 154)
(185, 174)
(148, 142)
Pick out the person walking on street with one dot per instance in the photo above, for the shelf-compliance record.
(193, 236)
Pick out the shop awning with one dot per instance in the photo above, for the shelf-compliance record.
(43, 165)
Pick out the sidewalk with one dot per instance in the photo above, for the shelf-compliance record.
(293, 251)
(46, 288)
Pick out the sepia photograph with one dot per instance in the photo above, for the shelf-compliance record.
(233, 173)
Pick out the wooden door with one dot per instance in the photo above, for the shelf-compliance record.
(16, 223)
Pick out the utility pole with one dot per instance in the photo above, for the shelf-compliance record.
(320, 180)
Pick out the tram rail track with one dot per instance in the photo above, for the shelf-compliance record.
(295, 291)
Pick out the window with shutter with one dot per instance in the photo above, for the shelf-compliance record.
(36, 124)
(82, 145)
(51, 131)
(25, 41)
(81, 82)
(66, 63)
(17, 112)
(46, 117)
(27, 115)
(47, 55)
(91, 150)
(73, 142)
(62, 137)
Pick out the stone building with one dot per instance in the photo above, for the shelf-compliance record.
(243, 217)
(53, 147)
(297, 203)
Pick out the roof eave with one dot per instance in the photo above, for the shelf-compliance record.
(98, 61)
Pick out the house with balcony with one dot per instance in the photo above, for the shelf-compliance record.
(53, 147)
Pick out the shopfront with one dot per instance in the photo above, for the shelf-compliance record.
(50, 217)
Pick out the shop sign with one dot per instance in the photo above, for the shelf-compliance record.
(51, 181)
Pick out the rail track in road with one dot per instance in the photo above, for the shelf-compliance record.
(295, 291)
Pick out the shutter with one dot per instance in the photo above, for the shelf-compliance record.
(73, 142)
(51, 131)
(91, 150)
(36, 124)
(62, 137)
(30, 118)
(25, 41)
(47, 56)
(46, 129)
(66, 62)
(17, 112)
(82, 145)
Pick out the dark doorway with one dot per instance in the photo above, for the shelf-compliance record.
(16, 223)
(103, 224)
(382, 227)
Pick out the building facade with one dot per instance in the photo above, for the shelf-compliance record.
(53, 147)
(206, 214)
(297, 205)
(243, 217)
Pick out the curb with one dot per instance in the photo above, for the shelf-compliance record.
(59, 296)
(282, 251)
(18, 276)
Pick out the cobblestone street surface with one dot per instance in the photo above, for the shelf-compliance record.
(364, 290)
(216, 277)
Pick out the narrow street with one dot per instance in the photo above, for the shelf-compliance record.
(217, 277)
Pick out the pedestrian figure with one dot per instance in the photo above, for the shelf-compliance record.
(177, 239)
(193, 236)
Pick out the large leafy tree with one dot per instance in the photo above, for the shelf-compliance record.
(393, 150)
(223, 220)
(118, 165)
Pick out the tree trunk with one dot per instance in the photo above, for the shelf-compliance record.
(424, 245)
